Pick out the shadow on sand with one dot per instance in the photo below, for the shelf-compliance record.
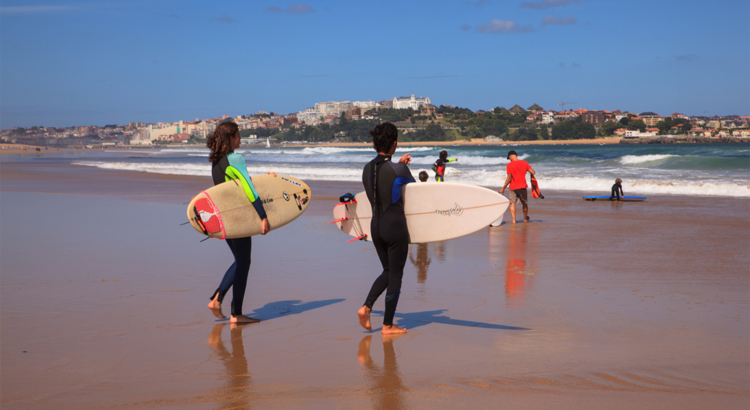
(417, 319)
(281, 308)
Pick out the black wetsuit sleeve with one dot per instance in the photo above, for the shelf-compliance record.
(258, 205)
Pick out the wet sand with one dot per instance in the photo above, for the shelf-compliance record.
(591, 305)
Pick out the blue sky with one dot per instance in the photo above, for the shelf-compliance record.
(65, 63)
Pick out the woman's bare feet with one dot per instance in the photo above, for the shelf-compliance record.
(242, 320)
(364, 317)
(215, 307)
(393, 330)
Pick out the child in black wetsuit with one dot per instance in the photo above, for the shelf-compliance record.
(617, 190)
(439, 166)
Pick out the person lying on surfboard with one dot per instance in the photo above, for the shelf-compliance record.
(516, 170)
(616, 190)
(383, 181)
(439, 166)
(225, 166)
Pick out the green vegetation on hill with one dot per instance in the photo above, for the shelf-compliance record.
(571, 130)
(456, 124)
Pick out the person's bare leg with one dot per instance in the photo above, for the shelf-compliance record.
(364, 317)
(243, 320)
(392, 330)
(512, 212)
(525, 213)
(215, 307)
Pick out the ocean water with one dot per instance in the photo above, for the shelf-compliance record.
(672, 169)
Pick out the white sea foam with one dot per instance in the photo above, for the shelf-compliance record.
(483, 171)
(638, 159)
(302, 172)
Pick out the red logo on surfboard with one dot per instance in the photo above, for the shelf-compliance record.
(207, 215)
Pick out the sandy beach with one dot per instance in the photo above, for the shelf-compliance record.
(590, 305)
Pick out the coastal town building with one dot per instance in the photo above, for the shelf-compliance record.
(403, 103)
(353, 113)
(535, 109)
(365, 105)
(516, 109)
(386, 104)
(594, 117)
(639, 134)
(427, 109)
(548, 117)
(650, 118)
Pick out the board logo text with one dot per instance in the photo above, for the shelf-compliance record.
(456, 210)
(285, 179)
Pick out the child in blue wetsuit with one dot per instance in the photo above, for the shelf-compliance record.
(226, 166)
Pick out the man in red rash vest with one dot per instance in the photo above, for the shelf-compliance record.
(516, 170)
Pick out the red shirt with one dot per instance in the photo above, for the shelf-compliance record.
(517, 171)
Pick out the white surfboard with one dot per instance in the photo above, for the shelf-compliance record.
(434, 212)
(225, 212)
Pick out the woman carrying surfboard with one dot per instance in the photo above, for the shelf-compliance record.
(383, 181)
(225, 166)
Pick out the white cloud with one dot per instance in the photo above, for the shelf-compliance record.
(36, 9)
(547, 4)
(503, 26)
(560, 21)
(292, 8)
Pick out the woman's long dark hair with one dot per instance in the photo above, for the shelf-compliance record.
(219, 142)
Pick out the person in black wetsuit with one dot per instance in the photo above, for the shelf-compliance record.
(439, 166)
(383, 181)
(617, 190)
(227, 165)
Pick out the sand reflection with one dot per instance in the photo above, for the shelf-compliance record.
(385, 381)
(422, 262)
(236, 392)
(520, 264)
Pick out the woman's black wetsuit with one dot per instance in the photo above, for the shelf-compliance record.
(236, 275)
(616, 191)
(383, 181)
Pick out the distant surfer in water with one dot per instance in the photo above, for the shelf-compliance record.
(617, 190)
(516, 170)
(225, 166)
(439, 166)
(383, 181)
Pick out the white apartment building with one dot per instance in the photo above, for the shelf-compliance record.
(309, 116)
(548, 117)
(638, 134)
(402, 103)
(332, 107)
(365, 105)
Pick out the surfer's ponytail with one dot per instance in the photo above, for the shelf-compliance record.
(219, 142)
